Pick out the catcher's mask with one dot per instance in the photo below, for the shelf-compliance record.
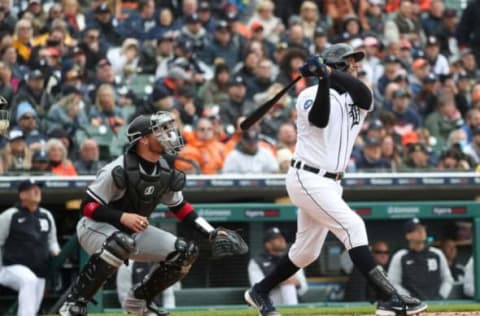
(336, 56)
(162, 125)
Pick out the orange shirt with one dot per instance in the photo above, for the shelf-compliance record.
(64, 169)
(209, 155)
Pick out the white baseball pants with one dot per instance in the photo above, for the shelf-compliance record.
(30, 288)
(321, 209)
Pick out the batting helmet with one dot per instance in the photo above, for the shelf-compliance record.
(162, 125)
(336, 56)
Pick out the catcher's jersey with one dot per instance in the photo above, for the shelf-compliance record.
(104, 190)
(328, 148)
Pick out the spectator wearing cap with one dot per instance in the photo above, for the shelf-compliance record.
(223, 46)
(469, 63)
(103, 20)
(351, 29)
(417, 158)
(66, 114)
(272, 25)
(406, 118)
(88, 161)
(16, 156)
(372, 61)
(426, 100)
(39, 16)
(375, 129)
(391, 66)
(175, 79)
(160, 100)
(58, 158)
(139, 23)
(432, 21)
(194, 31)
(468, 30)
(438, 62)
(164, 53)
(445, 119)
(274, 247)
(320, 41)
(258, 35)
(166, 23)
(22, 40)
(106, 112)
(419, 71)
(27, 231)
(215, 90)
(419, 269)
(249, 158)
(26, 121)
(237, 104)
(39, 162)
(34, 92)
(203, 152)
(309, 17)
(205, 16)
(371, 156)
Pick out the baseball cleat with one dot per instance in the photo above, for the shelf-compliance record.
(140, 307)
(400, 305)
(261, 302)
(73, 309)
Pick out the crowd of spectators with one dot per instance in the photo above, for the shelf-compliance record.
(76, 72)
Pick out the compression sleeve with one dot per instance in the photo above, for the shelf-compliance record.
(320, 111)
(360, 93)
(186, 214)
(100, 212)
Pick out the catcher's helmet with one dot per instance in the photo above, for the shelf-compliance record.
(162, 125)
(336, 56)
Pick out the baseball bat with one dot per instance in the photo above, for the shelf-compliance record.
(258, 113)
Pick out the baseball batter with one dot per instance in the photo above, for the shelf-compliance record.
(330, 116)
(115, 226)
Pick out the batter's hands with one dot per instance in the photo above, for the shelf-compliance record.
(133, 221)
(314, 67)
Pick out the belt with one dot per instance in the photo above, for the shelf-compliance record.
(331, 175)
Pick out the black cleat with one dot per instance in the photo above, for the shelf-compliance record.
(260, 301)
(400, 305)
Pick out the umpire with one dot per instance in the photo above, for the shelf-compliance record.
(115, 223)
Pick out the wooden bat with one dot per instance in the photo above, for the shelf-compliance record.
(258, 113)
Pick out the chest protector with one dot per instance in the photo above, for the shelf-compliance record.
(143, 191)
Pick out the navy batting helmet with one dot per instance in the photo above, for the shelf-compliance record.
(336, 56)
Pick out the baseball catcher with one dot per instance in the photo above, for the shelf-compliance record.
(115, 224)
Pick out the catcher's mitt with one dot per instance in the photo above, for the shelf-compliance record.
(226, 242)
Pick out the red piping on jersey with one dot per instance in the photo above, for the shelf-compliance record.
(186, 209)
(90, 208)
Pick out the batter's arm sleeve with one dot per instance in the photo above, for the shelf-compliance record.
(469, 280)
(320, 111)
(52, 236)
(302, 287)
(5, 219)
(445, 275)
(359, 92)
(395, 272)
(255, 274)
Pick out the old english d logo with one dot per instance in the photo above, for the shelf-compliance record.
(149, 190)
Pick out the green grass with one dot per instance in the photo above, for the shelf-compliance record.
(306, 310)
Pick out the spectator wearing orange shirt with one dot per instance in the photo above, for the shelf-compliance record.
(203, 150)
(57, 157)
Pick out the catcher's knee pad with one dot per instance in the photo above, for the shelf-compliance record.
(166, 273)
(117, 248)
(101, 266)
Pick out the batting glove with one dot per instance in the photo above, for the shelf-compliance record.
(314, 67)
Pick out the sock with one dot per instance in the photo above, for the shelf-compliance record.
(282, 271)
(362, 259)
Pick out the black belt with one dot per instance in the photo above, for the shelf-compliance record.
(298, 165)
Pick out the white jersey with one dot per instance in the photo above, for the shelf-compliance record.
(328, 148)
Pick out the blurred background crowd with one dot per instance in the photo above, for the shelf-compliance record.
(75, 72)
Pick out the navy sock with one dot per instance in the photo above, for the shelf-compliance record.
(282, 271)
(362, 259)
